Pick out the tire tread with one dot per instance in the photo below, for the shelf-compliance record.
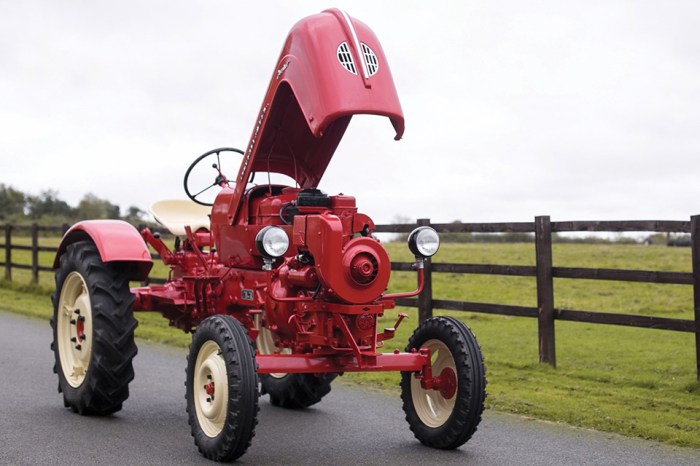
(464, 420)
(243, 408)
(106, 385)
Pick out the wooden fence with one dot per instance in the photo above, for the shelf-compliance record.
(546, 313)
(34, 233)
(544, 272)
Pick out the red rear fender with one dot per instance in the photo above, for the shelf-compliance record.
(117, 241)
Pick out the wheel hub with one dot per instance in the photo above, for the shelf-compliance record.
(209, 388)
(74, 329)
(80, 328)
(210, 374)
(446, 383)
(435, 405)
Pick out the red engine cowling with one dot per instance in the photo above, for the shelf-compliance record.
(354, 270)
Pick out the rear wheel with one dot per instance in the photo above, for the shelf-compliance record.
(222, 388)
(93, 331)
(448, 417)
(294, 391)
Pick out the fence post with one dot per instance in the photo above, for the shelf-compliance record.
(545, 290)
(35, 253)
(695, 242)
(8, 251)
(425, 298)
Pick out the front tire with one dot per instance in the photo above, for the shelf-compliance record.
(446, 418)
(93, 331)
(222, 388)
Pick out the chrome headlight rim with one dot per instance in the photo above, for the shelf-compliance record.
(424, 242)
(272, 242)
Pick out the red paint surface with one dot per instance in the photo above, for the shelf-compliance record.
(117, 241)
(311, 99)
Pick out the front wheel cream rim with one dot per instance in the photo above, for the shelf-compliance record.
(211, 389)
(432, 408)
(74, 329)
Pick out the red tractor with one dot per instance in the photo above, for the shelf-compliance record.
(281, 286)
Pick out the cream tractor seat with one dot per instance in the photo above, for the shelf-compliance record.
(176, 214)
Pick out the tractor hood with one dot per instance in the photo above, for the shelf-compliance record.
(331, 67)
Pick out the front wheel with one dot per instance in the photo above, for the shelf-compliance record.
(446, 418)
(222, 388)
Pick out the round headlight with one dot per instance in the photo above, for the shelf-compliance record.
(272, 241)
(424, 242)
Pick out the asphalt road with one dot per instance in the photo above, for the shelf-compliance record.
(348, 427)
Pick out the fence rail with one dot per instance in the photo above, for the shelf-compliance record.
(34, 231)
(543, 271)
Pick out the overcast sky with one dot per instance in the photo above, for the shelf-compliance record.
(578, 110)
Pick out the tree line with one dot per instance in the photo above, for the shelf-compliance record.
(47, 208)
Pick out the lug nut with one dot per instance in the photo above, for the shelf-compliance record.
(82, 337)
(78, 347)
(72, 321)
(73, 339)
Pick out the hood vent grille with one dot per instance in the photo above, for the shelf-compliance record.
(370, 59)
(345, 58)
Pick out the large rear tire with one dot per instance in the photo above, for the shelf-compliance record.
(222, 388)
(93, 331)
(446, 418)
(292, 391)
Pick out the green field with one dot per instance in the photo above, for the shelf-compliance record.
(637, 382)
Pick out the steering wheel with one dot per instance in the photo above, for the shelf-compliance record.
(220, 179)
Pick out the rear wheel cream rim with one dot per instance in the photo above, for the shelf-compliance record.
(210, 389)
(432, 408)
(74, 329)
(266, 345)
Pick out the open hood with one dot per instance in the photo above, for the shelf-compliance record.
(331, 67)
